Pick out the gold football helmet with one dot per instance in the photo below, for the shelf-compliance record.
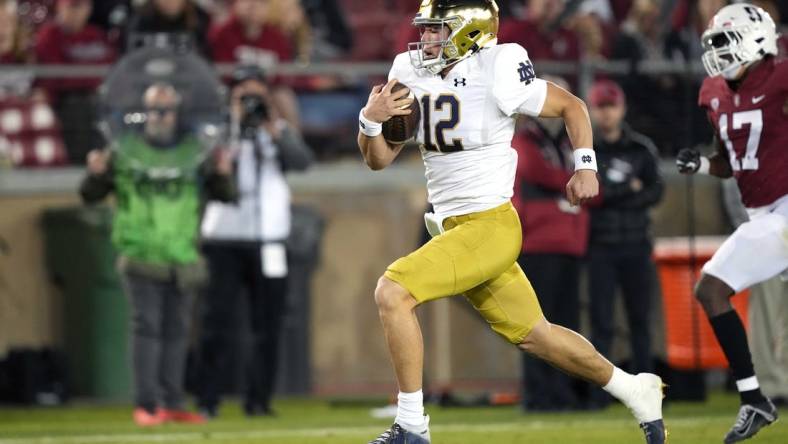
(472, 25)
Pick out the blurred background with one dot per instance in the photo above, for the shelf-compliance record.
(66, 66)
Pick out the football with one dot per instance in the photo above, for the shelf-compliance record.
(400, 129)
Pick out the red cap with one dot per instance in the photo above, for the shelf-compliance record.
(606, 92)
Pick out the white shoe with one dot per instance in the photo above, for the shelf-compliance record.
(646, 400)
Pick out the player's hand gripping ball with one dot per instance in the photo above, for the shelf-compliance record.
(402, 128)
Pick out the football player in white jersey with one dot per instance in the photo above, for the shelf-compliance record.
(470, 90)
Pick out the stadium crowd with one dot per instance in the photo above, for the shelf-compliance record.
(39, 127)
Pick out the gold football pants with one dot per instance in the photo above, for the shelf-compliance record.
(476, 256)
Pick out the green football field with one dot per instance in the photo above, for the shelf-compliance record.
(317, 421)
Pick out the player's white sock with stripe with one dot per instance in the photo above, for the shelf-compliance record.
(410, 411)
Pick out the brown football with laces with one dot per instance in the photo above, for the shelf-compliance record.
(400, 129)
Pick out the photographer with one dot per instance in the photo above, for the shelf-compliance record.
(159, 180)
(245, 245)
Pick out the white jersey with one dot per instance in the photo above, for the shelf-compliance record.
(467, 125)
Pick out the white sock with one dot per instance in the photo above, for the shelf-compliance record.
(621, 385)
(410, 411)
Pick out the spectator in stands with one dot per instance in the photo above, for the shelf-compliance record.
(652, 97)
(14, 50)
(245, 246)
(68, 39)
(619, 252)
(182, 23)
(641, 36)
(690, 19)
(247, 37)
(331, 35)
(32, 139)
(155, 231)
(14, 38)
(289, 16)
(601, 9)
(555, 238)
(593, 34)
(541, 32)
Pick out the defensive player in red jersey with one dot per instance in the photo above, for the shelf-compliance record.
(746, 98)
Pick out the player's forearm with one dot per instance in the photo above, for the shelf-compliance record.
(377, 153)
(578, 124)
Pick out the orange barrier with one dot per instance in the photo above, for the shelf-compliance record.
(691, 344)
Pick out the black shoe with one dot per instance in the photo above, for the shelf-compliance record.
(398, 435)
(655, 432)
(751, 419)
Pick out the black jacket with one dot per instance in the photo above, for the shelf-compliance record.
(623, 215)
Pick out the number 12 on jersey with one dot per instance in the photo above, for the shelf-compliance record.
(427, 105)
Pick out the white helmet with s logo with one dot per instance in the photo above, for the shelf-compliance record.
(737, 36)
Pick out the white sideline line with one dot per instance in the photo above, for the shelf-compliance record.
(327, 432)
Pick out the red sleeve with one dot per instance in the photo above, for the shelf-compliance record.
(533, 168)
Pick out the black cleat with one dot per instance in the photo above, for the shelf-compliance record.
(751, 419)
(398, 435)
(655, 432)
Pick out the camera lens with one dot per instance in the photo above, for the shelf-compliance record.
(254, 112)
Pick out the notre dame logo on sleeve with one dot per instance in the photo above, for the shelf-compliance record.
(526, 71)
(586, 159)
